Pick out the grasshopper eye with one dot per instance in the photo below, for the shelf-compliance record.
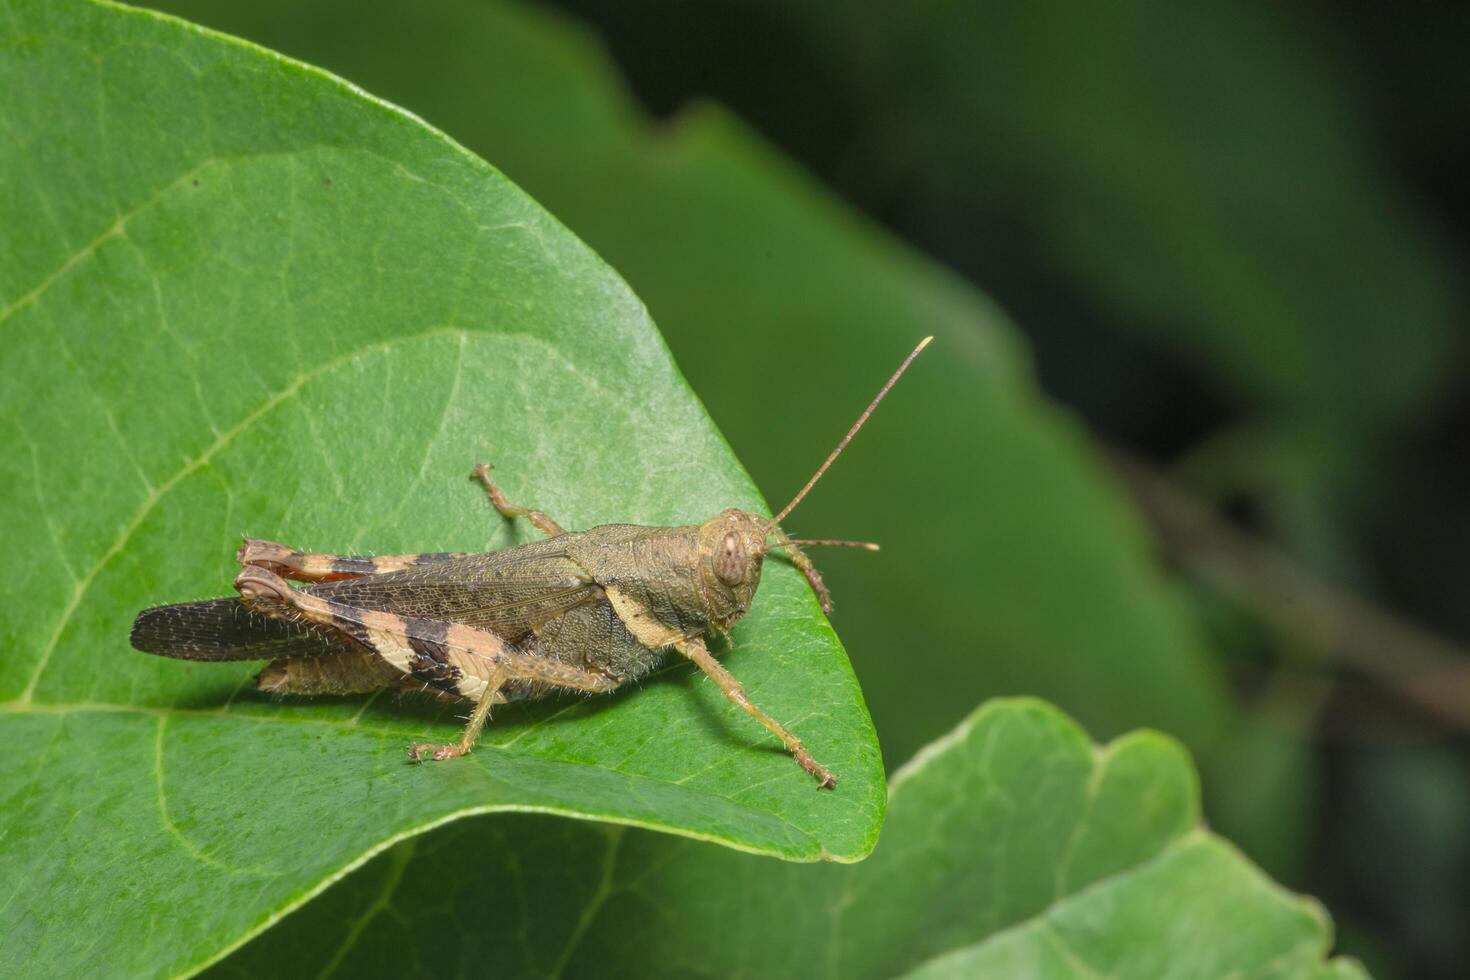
(730, 560)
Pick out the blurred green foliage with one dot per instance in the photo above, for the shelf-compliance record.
(1201, 174)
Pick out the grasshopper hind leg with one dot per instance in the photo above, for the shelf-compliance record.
(307, 566)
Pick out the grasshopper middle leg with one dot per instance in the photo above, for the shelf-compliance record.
(511, 511)
(807, 569)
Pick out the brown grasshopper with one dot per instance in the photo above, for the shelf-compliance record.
(583, 611)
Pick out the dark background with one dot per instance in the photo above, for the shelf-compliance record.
(1231, 238)
(886, 107)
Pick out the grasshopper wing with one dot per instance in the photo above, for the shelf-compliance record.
(223, 629)
(512, 593)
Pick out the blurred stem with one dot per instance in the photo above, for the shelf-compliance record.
(1222, 464)
(1415, 664)
(1294, 700)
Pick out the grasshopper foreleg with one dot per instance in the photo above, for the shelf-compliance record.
(511, 511)
(807, 569)
(696, 651)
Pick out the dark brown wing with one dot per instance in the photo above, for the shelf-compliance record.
(223, 629)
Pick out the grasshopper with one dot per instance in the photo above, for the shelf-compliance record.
(585, 611)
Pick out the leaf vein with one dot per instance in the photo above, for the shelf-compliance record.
(172, 829)
(151, 500)
(400, 858)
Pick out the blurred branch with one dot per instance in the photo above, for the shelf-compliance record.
(1414, 663)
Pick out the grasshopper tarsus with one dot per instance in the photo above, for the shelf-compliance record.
(824, 776)
(481, 475)
(434, 752)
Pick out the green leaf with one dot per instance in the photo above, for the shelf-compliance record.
(1010, 563)
(1013, 847)
(239, 295)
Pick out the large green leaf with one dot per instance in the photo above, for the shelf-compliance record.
(1010, 563)
(1014, 847)
(239, 295)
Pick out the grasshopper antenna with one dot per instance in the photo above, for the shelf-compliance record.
(827, 543)
(848, 438)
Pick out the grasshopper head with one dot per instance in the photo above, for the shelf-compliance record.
(732, 545)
